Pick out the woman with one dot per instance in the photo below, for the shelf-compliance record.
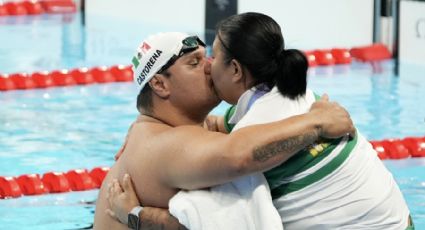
(333, 183)
(336, 183)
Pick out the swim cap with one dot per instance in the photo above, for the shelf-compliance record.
(153, 53)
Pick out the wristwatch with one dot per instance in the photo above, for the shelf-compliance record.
(133, 218)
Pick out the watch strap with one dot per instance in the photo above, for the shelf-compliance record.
(133, 218)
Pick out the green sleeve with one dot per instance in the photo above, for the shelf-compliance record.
(316, 96)
(229, 113)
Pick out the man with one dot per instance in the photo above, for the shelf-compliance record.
(169, 150)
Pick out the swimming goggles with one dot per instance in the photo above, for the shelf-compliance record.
(189, 44)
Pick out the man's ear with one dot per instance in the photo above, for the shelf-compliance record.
(160, 86)
(237, 71)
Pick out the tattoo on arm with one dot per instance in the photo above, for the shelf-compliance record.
(264, 153)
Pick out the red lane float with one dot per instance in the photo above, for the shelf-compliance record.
(34, 7)
(375, 52)
(22, 81)
(52, 182)
(396, 149)
(62, 78)
(102, 74)
(310, 58)
(98, 174)
(379, 148)
(9, 188)
(6, 83)
(3, 11)
(55, 182)
(416, 146)
(334, 56)
(80, 76)
(42, 79)
(31, 184)
(400, 148)
(122, 73)
(79, 180)
(59, 6)
(15, 9)
(324, 57)
(341, 56)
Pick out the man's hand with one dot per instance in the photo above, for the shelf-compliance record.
(121, 200)
(334, 120)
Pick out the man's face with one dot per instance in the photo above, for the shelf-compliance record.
(192, 87)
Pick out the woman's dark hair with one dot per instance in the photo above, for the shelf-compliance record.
(256, 41)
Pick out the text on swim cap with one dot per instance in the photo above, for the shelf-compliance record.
(148, 66)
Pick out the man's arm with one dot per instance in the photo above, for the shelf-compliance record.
(195, 158)
(122, 199)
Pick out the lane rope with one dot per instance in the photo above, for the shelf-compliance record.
(83, 179)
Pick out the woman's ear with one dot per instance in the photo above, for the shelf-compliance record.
(237, 71)
(160, 85)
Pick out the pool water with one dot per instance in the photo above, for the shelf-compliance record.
(59, 129)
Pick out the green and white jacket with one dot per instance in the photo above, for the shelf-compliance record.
(331, 184)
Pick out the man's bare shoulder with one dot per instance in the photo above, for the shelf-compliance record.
(164, 140)
(158, 130)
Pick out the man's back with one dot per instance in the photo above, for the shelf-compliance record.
(141, 161)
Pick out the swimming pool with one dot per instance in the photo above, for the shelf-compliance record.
(59, 129)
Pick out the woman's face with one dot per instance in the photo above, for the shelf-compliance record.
(221, 74)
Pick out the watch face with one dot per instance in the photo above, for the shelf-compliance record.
(133, 221)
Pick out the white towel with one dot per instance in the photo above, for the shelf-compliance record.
(245, 204)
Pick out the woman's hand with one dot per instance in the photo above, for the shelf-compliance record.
(334, 120)
(121, 200)
(215, 124)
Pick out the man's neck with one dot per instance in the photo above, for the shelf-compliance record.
(173, 117)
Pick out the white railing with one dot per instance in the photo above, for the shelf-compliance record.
(412, 32)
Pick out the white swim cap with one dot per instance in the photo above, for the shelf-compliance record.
(158, 52)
